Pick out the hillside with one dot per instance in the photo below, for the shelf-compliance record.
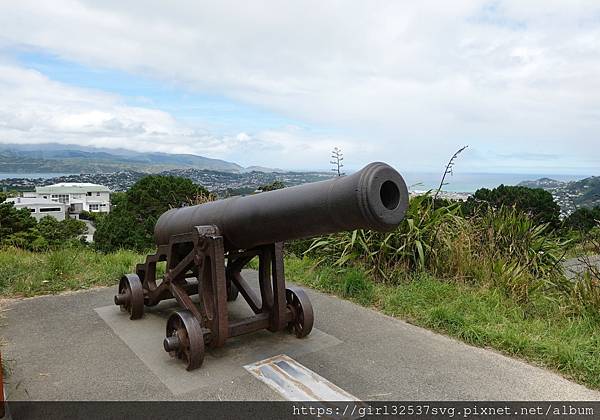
(220, 182)
(78, 159)
(570, 195)
(544, 183)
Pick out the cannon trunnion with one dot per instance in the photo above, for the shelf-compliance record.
(207, 246)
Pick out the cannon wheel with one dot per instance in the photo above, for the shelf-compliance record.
(300, 305)
(131, 296)
(184, 339)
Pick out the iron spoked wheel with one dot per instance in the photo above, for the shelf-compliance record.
(300, 305)
(185, 340)
(131, 296)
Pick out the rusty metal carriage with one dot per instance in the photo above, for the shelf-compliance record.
(206, 247)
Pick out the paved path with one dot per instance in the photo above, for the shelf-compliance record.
(78, 346)
(91, 229)
(575, 266)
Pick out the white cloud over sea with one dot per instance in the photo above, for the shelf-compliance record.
(403, 82)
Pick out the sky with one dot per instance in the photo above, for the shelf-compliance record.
(280, 83)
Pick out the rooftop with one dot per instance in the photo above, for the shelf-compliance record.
(28, 201)
(72, 187)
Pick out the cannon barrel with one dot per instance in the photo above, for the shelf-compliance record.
(375, 198)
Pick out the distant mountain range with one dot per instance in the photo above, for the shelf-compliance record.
(59, 158)
(570, 195)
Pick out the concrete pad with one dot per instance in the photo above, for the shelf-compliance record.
(144, 337)
(60, 348)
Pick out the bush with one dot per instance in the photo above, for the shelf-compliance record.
(87, 215)
(275, 185)
(535, 202)
(121, 230)
(503, 248)
(297, 247)
(19, 229)
(130, 225)
(510, 235)
(418, 243)
(56, 233)
(583, 219)
(13, 220)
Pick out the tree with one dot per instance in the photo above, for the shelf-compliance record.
(117, 199)
(131, 223)
(536, 202)
(120, 229)
(13, 220)
(152, 195)
(336, 160)
(275, 185)
(57, 233)
(583, 219)
(18, 228)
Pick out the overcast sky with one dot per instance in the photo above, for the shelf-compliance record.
(281, 83)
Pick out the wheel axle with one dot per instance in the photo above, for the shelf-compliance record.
(171, 343)
(122, 299)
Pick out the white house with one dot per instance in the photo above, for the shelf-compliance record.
(40, 207)
(76, 196)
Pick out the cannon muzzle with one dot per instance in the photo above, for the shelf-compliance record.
(375, 198)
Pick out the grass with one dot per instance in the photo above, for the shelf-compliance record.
(540, 332)
(24, 273)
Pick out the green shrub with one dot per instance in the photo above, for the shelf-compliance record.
(501, 247)
(19, 229)
(131, 223)
(56, 233)
(297, 247)
(585, 295)
(535, 202)
(121, 230)
(510, 234)
(13, 220)
(275, 185)
(418, 243)
(583, 219)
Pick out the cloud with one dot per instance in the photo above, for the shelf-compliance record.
(395, 81)
(35, 109)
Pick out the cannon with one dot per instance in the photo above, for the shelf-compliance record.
(206, 246)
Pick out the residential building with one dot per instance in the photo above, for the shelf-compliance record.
(77, 197)
(40, 207)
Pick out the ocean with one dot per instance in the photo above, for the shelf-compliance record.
(45, 175)
(470, 182)
(416, 181)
